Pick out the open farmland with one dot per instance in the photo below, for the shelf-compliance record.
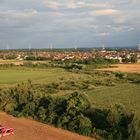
(12, 76)
(130, 68)
(15, 62)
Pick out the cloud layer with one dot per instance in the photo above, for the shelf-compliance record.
(66, 23)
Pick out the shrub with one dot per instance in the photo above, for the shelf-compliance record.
(80, 124)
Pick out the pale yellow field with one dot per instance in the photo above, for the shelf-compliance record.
(20, 62)
(132, 68)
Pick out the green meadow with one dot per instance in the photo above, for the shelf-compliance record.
(126, 94)
(12, 76)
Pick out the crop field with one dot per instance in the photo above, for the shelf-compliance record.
(20, 62)
(15, 62)
(130, 68)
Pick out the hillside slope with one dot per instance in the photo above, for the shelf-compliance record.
(30, 130)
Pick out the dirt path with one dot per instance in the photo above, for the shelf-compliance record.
(30, 130)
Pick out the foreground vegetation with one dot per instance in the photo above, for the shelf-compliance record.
(72, 112)
(78, 98)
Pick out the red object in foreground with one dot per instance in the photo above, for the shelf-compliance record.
(5, 131)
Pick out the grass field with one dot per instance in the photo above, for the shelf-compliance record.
(126, 94)
(17, 75)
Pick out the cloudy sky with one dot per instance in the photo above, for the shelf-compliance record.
(69, 23)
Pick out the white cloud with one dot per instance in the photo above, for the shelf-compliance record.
(27, 17)
(104, 12)
(73, 4)
(27, 13)
(52, 4)
(122, 29)
(102, 34)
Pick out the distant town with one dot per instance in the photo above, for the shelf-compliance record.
(70, 54)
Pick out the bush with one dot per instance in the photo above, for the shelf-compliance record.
(80, 124)
(121, 75)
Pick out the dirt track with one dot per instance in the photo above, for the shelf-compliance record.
(30, 130)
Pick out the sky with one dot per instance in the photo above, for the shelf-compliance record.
(69, 23)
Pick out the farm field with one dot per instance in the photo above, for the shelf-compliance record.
(130, 68)
(126, 94)
(19, 62)
(12, 76)
(15, 62)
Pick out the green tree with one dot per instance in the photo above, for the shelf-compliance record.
(133, 59)
(80, 124)
(41, 114)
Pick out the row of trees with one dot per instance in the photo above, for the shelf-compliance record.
(73, 112)
(132, 59)
(36, 58)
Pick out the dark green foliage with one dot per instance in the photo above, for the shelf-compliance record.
(41, 113)
(132, 59)
(118, 120)
(30, 64)
(134, 129)
(72, 64)
(77, 103)
(73, 117)
(126, 60)
(49, 104)
(80, 124)
(37, 58)
(121, 75)
(111, 124)
(98, 60)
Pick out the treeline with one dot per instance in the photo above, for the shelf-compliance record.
(70, 64)
(72, 112)
(132, 59)
(66, 64)
(36, 58)
(97, 60)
